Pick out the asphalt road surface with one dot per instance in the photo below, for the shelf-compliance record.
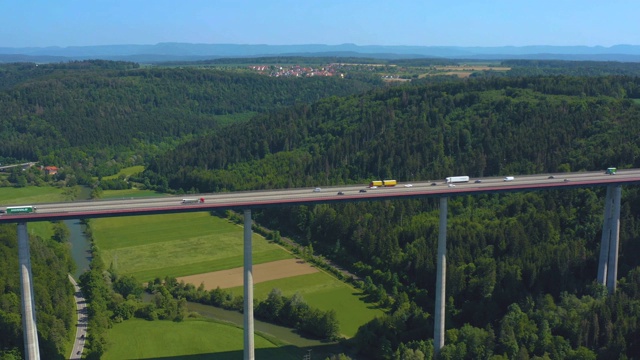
(260, 199)
(83, 319)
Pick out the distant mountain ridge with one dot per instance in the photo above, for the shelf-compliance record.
(192, 52)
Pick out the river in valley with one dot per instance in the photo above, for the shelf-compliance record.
(80, 246)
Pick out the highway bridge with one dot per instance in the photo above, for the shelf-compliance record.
(607, 270)
(261, 199)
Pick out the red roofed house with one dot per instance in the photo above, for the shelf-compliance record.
(50, 170)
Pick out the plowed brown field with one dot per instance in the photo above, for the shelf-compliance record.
(261, 272)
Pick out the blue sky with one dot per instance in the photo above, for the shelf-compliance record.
(39, 23)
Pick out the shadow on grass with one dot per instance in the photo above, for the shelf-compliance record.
(368, 299)
(282, 353)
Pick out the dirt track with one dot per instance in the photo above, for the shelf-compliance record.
(262, 272)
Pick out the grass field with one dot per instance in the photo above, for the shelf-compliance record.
(191, 339)
(126, 172)
(129, 193)
(32, 195)
(324, 292)
(176, 245)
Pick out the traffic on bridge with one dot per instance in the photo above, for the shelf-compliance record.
(459, 185)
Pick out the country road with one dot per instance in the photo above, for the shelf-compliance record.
(83, 319)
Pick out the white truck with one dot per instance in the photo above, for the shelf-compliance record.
(457, 179)
(193, 201)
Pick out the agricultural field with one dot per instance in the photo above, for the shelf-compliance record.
(33, 195)
(199, 244)
(324, 292)
(128, 193)
(463, 70)
(192, 339)
(126, 172)
(176, 245)
(273, 270)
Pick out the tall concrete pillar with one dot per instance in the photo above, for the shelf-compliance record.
(612, 268)
(441, 278)
(29, 328)
(604, 241)
(610, 242)
(249, 353)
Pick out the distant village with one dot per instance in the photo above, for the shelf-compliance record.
(297, 70)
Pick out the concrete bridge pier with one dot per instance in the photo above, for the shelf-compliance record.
(608, 264)
(441, 280)
(249, 353)
(29, 328)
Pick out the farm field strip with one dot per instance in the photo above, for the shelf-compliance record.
(262, 272)
(195, 339)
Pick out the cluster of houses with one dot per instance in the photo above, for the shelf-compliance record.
(295, 70)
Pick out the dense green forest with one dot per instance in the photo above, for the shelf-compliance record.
(521, 267)
(479, 128)
(91, 112)
(50, 262)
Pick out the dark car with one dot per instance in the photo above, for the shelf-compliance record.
(433, 184)
(478, 181)
(363, 190)
(551, 177)
(340, 193)
(567, 180)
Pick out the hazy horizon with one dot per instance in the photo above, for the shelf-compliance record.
(464, 23)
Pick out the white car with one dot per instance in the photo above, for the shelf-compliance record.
(408, 185)
(452, 185)
(317, 190)
(373, 187)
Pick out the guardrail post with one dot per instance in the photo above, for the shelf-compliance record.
(441, 278)
(249, 353)
(29, 327)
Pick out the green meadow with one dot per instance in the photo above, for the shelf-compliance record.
(33, 195)
(191, 339)
(176, 245)
(324, 292)
(129, 193)
(128, 171)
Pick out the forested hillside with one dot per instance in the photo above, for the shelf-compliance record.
(90, 108)
(521, 267)
(54, 304)
(478, 128)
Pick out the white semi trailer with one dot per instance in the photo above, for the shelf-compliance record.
(457, 179)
